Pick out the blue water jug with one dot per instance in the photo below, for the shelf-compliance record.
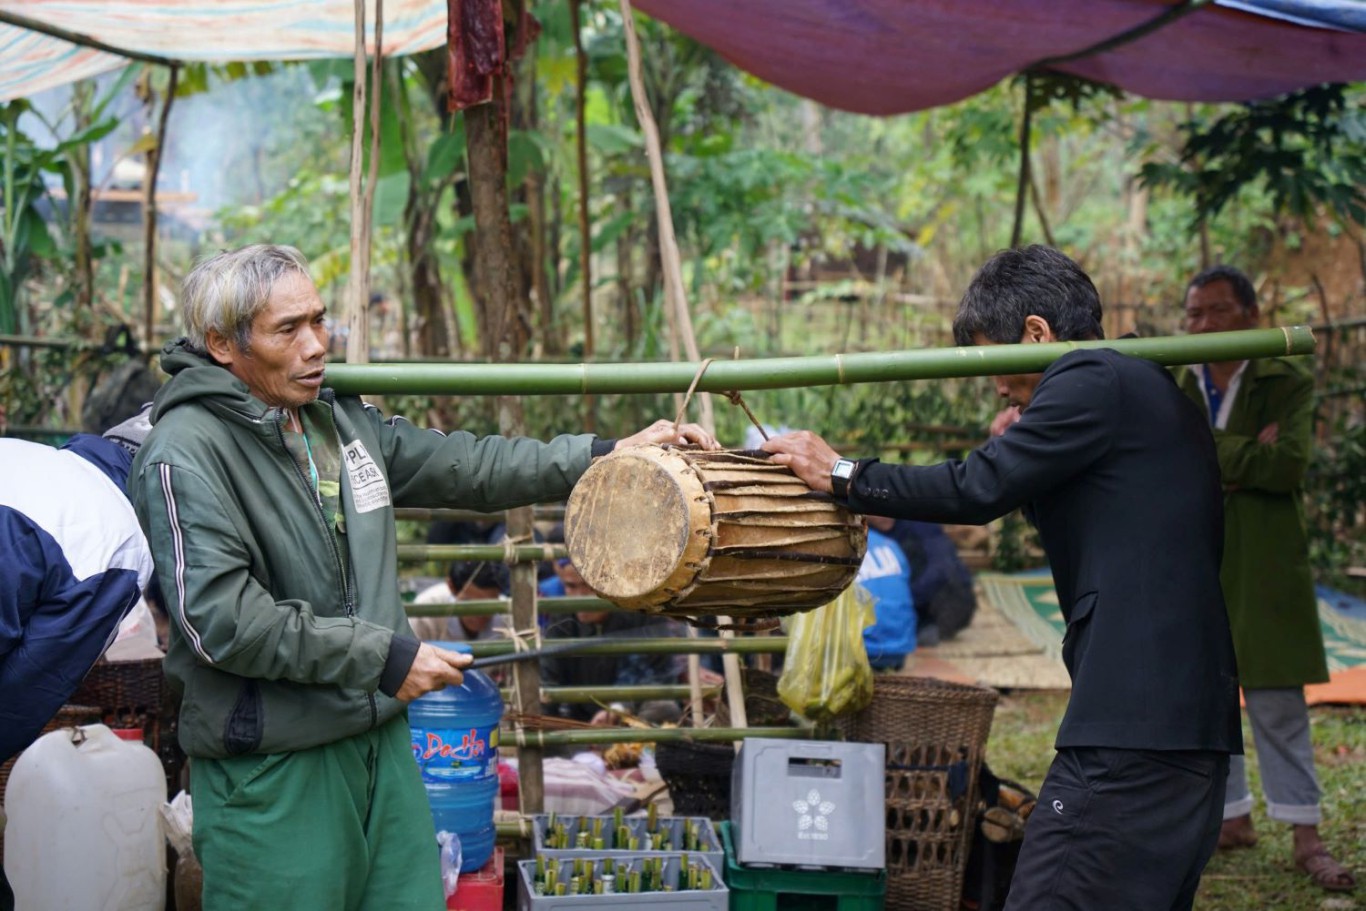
(455, 742)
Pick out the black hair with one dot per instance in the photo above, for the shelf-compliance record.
(484, 575)
(1237, 280)
(1029, 281)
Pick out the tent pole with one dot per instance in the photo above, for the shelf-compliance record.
(363, 201)
(1167, 17)
(52, 31)
(149, 211)
(585, 230)
(1022, 185)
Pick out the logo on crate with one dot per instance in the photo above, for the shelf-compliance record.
(813, 816)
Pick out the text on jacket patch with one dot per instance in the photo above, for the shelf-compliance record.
(369, 490)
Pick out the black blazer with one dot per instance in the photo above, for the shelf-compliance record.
(1117, 469)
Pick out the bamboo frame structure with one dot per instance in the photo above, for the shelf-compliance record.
(541, 739)
(628, 693)
(582, 379)
(669, 645)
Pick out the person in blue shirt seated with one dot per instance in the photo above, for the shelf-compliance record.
(553, 586)
(941, 585)
(887, 577)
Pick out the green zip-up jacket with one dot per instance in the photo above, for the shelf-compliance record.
(1267, 579)
(279, 641)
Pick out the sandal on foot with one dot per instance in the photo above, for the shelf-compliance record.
(1326, 873)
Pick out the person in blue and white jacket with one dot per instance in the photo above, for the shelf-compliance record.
(74, 564)
(886, 574)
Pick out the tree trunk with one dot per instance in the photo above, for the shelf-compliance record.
(429, 300)
(504, 324)
(530, 233)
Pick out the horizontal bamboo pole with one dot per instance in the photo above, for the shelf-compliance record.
(547, 511)
(33, 341)
(608, 694)
(480, 553)
(508, 829)
(748, 645)
(520, 738)
(785, 372)
(492, 607)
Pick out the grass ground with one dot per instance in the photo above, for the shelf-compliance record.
(1262, 878)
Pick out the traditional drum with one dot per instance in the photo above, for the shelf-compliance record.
(687, 532)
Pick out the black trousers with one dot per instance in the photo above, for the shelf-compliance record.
(6, 896)
(1121, 829)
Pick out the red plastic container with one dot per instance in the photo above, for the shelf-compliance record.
(481, 890)
(507, 787)
(133, 734)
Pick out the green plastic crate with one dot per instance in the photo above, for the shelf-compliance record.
(778, 889)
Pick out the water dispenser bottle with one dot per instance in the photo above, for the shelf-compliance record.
(455, 742)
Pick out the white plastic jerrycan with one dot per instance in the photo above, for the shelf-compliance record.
(84, 826)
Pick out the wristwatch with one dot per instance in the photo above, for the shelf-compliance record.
(841, 475)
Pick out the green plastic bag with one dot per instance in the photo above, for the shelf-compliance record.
(826, 670)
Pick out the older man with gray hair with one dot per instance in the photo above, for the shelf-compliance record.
(268, 503)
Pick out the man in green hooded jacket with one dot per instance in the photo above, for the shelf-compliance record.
(268, 503)
(1262, 414)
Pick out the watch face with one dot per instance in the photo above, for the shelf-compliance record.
(843, 469)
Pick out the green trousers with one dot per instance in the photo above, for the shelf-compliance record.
(340, 827)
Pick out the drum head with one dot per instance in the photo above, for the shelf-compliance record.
(638, 526)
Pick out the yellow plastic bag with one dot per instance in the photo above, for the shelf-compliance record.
(826, 670)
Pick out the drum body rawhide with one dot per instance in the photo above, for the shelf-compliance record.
(692, 533)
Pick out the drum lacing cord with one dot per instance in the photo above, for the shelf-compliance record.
(733, 397)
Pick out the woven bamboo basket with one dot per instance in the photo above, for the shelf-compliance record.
(935, 732)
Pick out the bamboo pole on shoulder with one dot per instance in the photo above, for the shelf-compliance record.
(788, 372)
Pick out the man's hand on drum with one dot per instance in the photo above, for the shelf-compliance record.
(664, 431)
(809, 457)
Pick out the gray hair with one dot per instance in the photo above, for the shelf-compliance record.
(225, 292)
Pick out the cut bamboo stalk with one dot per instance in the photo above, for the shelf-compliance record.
(787, 372)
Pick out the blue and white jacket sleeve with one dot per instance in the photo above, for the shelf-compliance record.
(75, 563)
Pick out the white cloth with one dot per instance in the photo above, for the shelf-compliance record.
(448, 629)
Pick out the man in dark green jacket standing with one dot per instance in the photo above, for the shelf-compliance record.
(268, 503)
(1262, 412)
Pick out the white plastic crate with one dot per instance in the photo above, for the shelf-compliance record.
(809, 803)
(717, 898)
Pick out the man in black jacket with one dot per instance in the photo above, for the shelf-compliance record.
(1118, 472)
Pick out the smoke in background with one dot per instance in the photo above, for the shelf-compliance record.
(236, 144)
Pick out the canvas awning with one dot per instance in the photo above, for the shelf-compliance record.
(218, 31)
(871, 56)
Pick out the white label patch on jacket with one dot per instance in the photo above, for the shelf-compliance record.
(368, 488)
